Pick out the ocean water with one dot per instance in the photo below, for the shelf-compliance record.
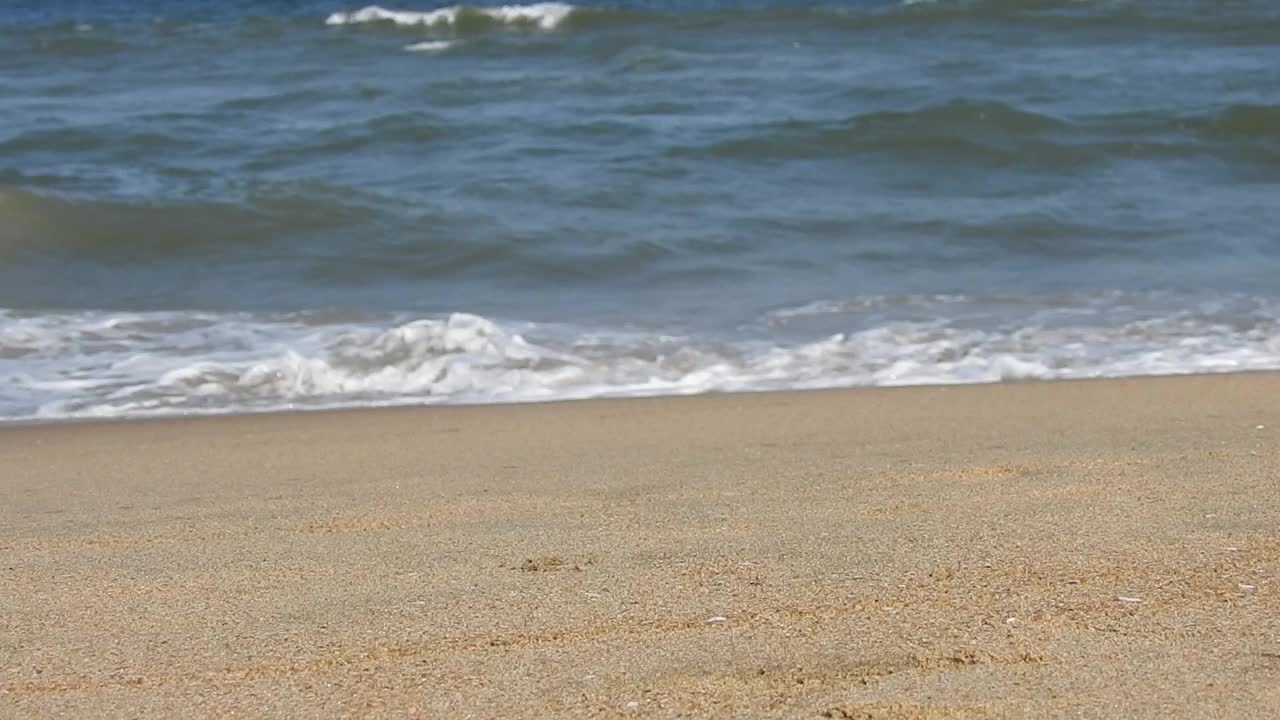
(217, 206)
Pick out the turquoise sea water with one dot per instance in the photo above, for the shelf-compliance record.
(211, 206)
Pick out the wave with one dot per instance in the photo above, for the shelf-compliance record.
(1246, 20)
(78, 40)
(545, 16)
(101, 364)
(1244, 121)
(983, 131)
(956, 129)
(959, 116)
(431, 46)
(126, 231)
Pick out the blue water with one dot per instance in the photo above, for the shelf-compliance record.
(213, 206)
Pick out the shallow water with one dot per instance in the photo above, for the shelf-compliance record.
(223, 206)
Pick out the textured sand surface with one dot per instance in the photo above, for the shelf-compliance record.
(1083, 549)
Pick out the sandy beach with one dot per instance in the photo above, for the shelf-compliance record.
(1073, 549)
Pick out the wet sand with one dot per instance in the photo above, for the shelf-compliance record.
(1081, 549)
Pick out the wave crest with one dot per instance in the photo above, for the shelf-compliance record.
(545, 16)
(970, 128)
(134, 364)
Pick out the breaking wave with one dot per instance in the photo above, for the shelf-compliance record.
(544, 16)
(1064, 14)
(100, 364)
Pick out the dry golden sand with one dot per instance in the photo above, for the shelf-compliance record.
(958, 552)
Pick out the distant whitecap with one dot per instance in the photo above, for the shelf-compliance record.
(546, 16)
(430, 46)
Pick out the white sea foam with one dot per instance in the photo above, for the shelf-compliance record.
(547, 16)
(97, 364)
(431, 46)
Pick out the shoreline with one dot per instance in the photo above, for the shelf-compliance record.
(17, 423)
(1105, 548)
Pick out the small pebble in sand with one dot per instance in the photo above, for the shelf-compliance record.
(1125, 599)
(718, 619)
(632, 705)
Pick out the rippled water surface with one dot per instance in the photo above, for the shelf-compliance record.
(215, 206)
